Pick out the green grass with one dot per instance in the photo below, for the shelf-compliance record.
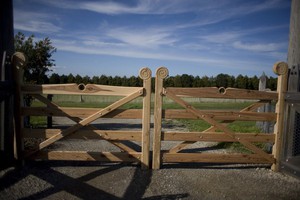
(38, 121)
(237, 126)
(192, 125)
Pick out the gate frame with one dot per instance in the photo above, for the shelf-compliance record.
(114, 137)
(259, 155)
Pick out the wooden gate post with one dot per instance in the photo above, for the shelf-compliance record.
(161, 73)
(145, 74)
(18, 62)
(281, 69)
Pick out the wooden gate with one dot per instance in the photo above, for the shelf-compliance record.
(218, 120)
(83, 117)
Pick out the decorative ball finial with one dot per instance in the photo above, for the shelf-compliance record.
(280, 68)
(162, 72)
(18, 60)
(145, 73)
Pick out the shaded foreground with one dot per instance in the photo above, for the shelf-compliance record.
(93, 180)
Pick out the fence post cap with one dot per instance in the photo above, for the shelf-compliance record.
(162, 72)
(145, 73)
(280, 68)
(18, 60)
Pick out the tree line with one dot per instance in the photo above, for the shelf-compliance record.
(39, 64)
(184, 80)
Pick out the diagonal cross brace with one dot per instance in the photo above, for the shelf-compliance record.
(88, 120)
(213, 128)
(46, 101)
(213, 122)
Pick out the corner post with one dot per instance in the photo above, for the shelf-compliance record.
(146, 74)
(18, 63)
(281, 69)
(161, 73)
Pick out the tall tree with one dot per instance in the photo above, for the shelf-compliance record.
(39, 57)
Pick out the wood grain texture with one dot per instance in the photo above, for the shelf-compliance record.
(216, 158)
(281, 69)
(73, 88)
(146, 75)
(229, 93)
(85, 134)
(216, 137)
(87, 156)
(80, 112)
(161, 73)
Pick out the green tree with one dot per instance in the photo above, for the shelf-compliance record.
(54, 78)
(78, 79)
(38, 56)
(71, 78)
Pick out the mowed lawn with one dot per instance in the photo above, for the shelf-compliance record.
(192, 125)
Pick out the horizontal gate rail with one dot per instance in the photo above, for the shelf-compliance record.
(218, 120)
(82, 119)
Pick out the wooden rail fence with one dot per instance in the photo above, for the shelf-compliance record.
(83, 117)
(218, 120)
(219, 131)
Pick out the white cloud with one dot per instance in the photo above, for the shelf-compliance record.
(34, 22)
(147, 37)
(258, 47)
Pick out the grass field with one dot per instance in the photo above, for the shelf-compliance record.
(192, 125)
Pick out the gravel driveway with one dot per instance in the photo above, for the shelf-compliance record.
(95, 180)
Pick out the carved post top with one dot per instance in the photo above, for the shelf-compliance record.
(145, 73)
(18, 60)
(162, 72)
(280, 68)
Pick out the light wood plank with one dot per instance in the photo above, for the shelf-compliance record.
(230, 93)
(219, 115)
(161, 73)
(216, 137)
(87, 156)
(281, 69)
(80, 112)
(85, 134)
(146, 75)
(216, 158)
(89, 89)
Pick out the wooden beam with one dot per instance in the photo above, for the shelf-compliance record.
(216, 137)
(146, 75)
(219, 115)
(87, 156)
(85, 134)
(281, 69)
(80, 112)
(89, 89)
(228, 93)
(161, 73)
(216, 158)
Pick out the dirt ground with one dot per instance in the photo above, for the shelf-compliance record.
(95, 180)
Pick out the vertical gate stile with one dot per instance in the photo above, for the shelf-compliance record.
(18, 62)
(161, 73)
(281, 69)
(146, 74)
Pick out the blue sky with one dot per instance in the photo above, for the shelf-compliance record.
(197, 37)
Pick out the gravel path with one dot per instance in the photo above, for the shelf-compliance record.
(95, 180)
